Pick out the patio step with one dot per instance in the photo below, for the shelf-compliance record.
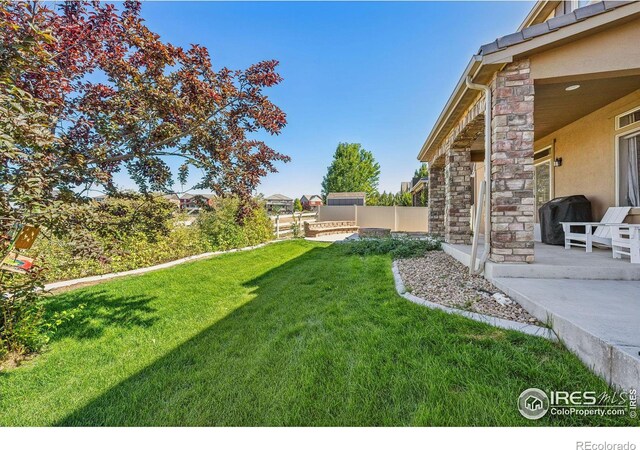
(562, 271)
(595, 319)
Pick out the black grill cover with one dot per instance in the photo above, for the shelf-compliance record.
(574, 208)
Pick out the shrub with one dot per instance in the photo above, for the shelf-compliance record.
(396, 247)
(222, 231)
(21, 322)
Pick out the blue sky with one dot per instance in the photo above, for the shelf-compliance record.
(374, 73)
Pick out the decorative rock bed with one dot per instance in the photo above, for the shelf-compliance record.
(439, 278)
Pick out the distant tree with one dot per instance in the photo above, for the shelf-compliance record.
(297, 205)
(422, 171)
(389, 199)
(353, 169)
(404, 199)
(423, 198)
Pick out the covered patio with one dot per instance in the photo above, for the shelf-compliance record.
(536, 116)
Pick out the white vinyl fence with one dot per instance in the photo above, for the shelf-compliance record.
(284, 225)
(396, 218)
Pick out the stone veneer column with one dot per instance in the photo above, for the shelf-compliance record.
(512, 200)
(436, 200)
(457, 212)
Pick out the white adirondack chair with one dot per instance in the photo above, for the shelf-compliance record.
(625, 240)
(595, 232)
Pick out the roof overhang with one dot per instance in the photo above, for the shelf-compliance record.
(422, 183)
(482, 67)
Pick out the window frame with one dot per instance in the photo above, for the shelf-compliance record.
(626, 113)
(547, 159)
(631, 132)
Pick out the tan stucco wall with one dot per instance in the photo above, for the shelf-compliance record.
(587, 149)
(376, 217)
(414, 218)
(615, 49)
(336, 213)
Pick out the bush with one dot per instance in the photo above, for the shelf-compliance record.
(21, 322)
(396, 247)
(141, 237)
(222, 232)
(139, 248)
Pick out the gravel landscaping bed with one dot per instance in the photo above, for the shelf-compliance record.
(439, 278)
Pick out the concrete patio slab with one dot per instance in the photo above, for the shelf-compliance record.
(552, 261)
(598, 320)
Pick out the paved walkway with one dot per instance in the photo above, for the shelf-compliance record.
(599, 320)
(333, 237)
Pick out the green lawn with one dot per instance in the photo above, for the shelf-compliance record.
(295, 333)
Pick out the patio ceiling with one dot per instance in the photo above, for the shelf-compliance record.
(555, 107)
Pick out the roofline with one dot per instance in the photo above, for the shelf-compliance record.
(421, 182)
(541, 9)
(454, 99)
(506, 55)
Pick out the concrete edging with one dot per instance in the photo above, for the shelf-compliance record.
(530, 329)
(110, 276)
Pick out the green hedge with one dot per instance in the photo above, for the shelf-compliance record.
(215, 229)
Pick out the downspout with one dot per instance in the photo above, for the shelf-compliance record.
(487, 179)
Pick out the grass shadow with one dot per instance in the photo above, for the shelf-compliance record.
(94, 312)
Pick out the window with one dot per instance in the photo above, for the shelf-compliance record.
(628, 169)
(542, 183)
(542, 177)
(628, 118)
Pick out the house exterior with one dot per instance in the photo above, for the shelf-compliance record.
(278, 203)
(310, 202)
(548, 111)
(173, 198)
(419, 189)
(194, 202)
(346, 199)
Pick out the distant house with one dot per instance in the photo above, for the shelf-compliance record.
(194, 202)
(99, 198)
(405, 186)
(347, 199)
(419, 189)
(173, 198)
(310, 202)
(278, 203)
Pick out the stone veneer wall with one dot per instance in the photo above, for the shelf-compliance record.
(457, 213)
(512, 200)
(436, 200)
